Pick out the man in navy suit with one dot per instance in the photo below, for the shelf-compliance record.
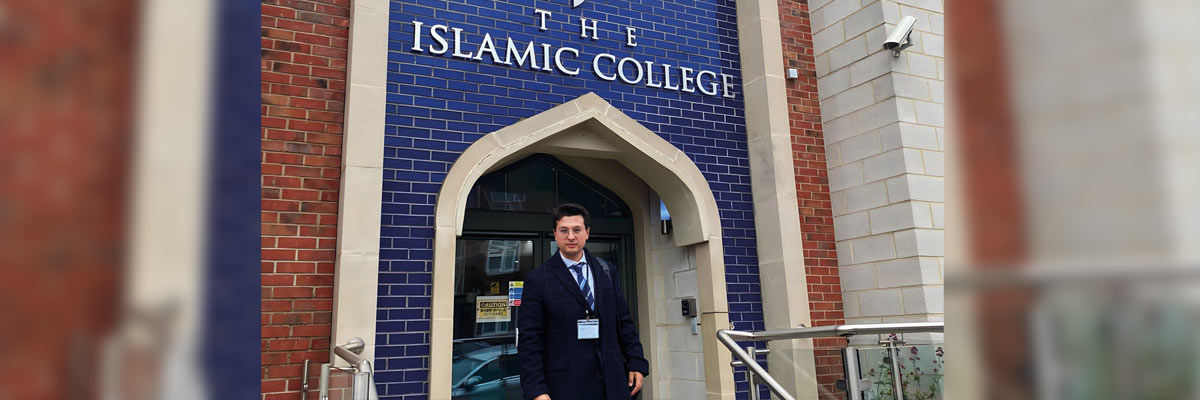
(577, 340)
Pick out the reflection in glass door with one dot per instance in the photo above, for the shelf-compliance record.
(485, 352)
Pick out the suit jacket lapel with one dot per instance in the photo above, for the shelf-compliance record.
(559, 270)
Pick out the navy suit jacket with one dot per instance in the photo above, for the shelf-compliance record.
(554, 360)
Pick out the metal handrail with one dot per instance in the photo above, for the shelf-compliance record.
(364, 380)
(725, 336)
(349, 352)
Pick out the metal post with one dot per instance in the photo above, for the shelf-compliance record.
(304, 382)
(894, 354)
(850, 356)
(362, 386)
(750, 375)
(364, 367)
(1045, 367)
(324, 383)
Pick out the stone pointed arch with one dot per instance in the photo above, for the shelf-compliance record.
(588, 127)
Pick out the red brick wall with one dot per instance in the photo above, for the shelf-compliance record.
(994, 213)
(303, 97)
(65, 130)
(812, 191)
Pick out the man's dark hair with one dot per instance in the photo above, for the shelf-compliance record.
(570, 210)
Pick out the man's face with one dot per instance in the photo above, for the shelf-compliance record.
(571, 235)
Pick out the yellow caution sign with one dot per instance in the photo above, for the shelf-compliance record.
(491, 309)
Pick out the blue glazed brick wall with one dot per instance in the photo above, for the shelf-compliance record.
(438, 105)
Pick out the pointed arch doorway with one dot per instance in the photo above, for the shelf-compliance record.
(506, 235)
(613, 150)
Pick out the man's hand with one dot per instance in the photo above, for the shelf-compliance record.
(635, 381)
(542, 396)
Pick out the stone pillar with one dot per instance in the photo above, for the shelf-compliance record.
(884, 132)
(773, 181)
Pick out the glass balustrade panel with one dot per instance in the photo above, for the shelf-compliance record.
(921, 371)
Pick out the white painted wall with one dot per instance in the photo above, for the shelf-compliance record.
(884, 124)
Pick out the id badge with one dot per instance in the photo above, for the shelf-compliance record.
(589, 329)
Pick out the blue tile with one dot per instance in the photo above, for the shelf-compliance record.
(439, 105)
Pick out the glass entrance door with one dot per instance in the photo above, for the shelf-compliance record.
(507, 234)
(487, 272)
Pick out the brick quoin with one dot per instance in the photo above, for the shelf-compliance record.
(304, 45)
(812, 193)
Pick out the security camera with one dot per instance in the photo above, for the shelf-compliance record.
(901, 37)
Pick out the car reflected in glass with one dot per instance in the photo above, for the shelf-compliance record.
(485, 372)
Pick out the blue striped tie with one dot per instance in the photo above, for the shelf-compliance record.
(583, 284)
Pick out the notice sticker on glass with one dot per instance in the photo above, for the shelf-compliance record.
(514, 292)
(491, 309)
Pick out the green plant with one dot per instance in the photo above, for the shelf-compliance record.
(915, 383)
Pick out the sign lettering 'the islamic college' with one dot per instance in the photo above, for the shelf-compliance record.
(443, 39)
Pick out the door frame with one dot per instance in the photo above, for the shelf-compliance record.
(623, 156)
